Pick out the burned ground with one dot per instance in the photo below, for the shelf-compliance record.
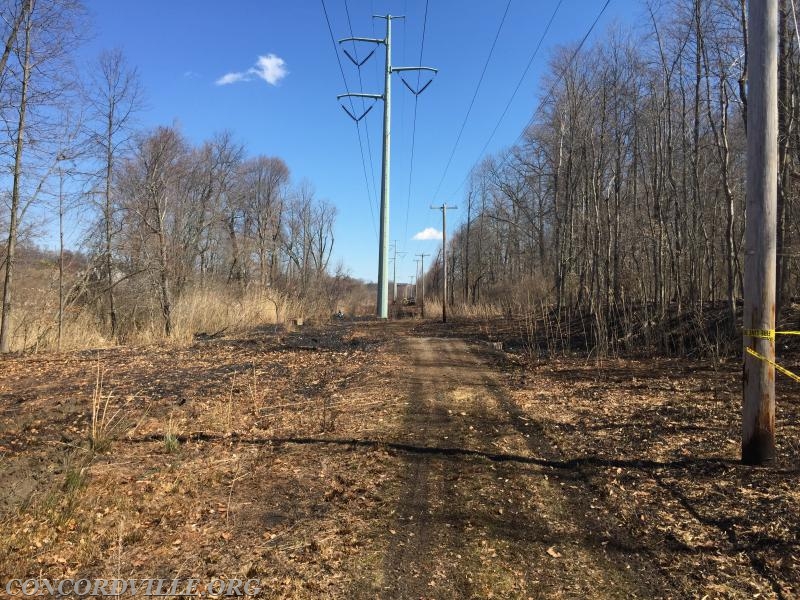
(393, 461)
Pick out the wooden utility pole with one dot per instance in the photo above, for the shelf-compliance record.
(444, 208)
(394, 275)
(422, 279)
(416, 282)
(758, 381)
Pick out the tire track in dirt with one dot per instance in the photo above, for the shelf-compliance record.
(407, 570)
(464, 526)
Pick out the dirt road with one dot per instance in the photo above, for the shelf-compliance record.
(475, 516)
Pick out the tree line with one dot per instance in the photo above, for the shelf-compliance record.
(162, 216)
(627, 186)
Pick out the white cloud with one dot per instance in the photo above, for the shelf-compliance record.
(270, 68)
(429, 233)
(229, 78)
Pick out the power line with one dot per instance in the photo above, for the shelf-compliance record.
(563, 71)
(521, 79)
(414, 126)
(472, 102)
(363, 103)
(549, 91)
(403, 59)
(358, 130)
(373, 12)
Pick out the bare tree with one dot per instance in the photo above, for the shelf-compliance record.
(264, 183)
(627, 189)
(149, 186)
(211, 178)
(46, 32)
(115, 96)
(26, 63)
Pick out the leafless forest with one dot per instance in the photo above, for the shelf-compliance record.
(168, 238)
(624, 198)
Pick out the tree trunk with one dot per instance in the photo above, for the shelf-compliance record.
(107, 217)
(166, 303)
(784, 134)
(60, 258)
(11, 243)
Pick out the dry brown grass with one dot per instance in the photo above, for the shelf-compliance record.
(481, 310)
(211, 310)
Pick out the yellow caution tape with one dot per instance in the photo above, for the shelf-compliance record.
(763, 334)
(779, 368)
(766, 334)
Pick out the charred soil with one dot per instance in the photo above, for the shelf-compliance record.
(368, 460)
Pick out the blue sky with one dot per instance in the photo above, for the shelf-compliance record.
(183, 47)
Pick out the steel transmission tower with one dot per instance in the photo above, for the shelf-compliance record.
(383, 254)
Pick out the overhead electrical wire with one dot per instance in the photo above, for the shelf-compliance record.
(363, 103)
(414, 125)
(563, 71)
(403, 62)
(521, 79)
(358, 130)
(472, 102)
(549, 93)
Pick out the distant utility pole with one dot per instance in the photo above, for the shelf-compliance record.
(422, 278)
(416, 281)
(758, 381)
(394, 274)
(383, 252)
(444, 208)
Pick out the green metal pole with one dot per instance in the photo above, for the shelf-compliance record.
(383, 258)
(382, 308)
